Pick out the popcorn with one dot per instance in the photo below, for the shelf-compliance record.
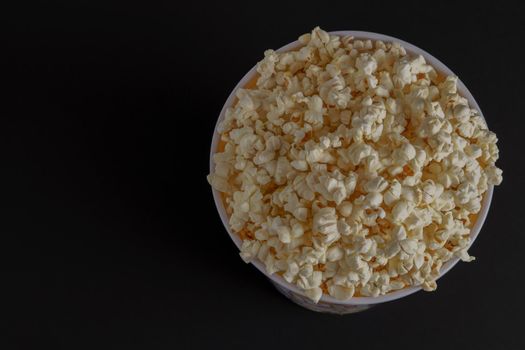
(461, 113)
(393, 193)
(401, 211)
(249, 249)
(345, 209)
(403, 154)
(376, 184)
(373, 200)
(314, 114)
(334, 253)
(349, 170)
(340, 292)
(493, 174)
(325, 223)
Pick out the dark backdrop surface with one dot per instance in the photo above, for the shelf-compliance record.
(109, 235)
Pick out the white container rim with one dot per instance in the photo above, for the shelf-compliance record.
(412, 50)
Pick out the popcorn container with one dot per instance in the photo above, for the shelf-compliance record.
(327, 303)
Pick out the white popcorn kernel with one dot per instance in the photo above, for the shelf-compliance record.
(219, 183)
(399, 232)
(377, 184)
(284, 234)
(428, 191)
(381, 91)
(366, 63)
(300, 214)
(434, 109)
(400, 211)
(419, 259)
(411, 194)
(264, 157)
(340, 292)
(263, 251)
(404, 153)
(392, 249)
(325, 221)
(270, 264)
(429, 286)
(309, 278)
(334, 253)
(395, 170)
(464, 256)
(370, 291)
(461, 113)
(305, 38)
(359, 151)
(282, 169)
(300, 165)
(373, 200)
(345, 117)
(291, 271)
(393, 193)
(473, 151)
(266, 68)
(302, 188)
(297, 230)
(494, 175)
(409, 246)
(314, 114)
(249, 250)
(345, 209)
(350, 182)
(261, 235)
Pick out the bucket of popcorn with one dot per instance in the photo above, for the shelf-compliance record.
(352, 169)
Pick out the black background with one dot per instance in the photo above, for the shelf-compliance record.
(110, 238)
